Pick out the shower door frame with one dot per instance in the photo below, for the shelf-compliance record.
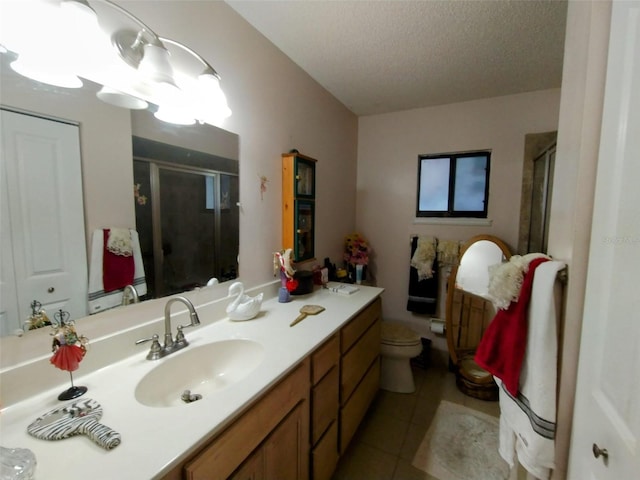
(155, 166)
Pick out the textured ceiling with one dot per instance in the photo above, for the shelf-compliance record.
(385, 56)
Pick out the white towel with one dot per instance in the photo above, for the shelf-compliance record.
(528, 422)
(99, 300)
(424, 256)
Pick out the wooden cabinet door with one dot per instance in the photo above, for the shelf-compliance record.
(252, 468)
(286, 450)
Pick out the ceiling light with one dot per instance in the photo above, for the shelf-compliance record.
(177, 116)
(119, 99)
(155, 66)
(100, 41)
(42, 69)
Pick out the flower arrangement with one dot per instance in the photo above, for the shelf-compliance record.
(356, 249)
(140, 199)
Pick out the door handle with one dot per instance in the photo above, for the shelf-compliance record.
(600, 452)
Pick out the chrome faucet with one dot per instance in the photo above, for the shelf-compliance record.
(129, 295)
(170, 345)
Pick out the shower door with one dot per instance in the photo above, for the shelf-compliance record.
(183, 224)
(541, 200)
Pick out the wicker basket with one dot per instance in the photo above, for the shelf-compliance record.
(482, 391)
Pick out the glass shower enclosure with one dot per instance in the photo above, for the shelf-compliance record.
(187, 220)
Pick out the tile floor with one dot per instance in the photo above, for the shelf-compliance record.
(391, 432)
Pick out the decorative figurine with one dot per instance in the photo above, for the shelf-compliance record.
(68, 351)
(243, 307)
(282, 263)
(38, 317)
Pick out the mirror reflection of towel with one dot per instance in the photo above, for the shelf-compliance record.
(99, 298)
(423, 294)
(117, 270)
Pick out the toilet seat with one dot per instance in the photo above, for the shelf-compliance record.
(396, 334)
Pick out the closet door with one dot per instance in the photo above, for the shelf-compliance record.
(41, 164)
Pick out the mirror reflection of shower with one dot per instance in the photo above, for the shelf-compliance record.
(541, 190)
(185, 217)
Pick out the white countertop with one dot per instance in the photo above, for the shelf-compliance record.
(154, 439)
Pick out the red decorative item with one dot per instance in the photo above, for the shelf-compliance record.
(68, 351)
(292, 284)
(68, 357)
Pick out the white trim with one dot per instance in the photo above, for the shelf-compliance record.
(485, 222)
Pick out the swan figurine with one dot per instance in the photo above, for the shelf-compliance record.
(243, 307)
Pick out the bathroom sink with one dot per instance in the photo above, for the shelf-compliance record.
(202, 370)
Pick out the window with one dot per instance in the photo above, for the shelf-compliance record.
(453, 185)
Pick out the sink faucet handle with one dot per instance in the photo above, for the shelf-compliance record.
(154, 351)
(181, 341)
(152, 338)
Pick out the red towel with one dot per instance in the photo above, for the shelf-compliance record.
(502, 347)
(117, 270)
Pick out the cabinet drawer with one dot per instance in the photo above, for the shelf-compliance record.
(324, 457)
(324, 358)
(229, 449)
(324, 404)
(352, 413)
(356, 327)
(357, 360)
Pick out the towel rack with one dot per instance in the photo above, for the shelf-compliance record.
(563, 275)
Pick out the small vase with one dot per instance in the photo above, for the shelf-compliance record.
(283, 295)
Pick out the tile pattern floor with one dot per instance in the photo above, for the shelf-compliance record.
(391, 432)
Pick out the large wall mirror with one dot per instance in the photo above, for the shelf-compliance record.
(189, 228)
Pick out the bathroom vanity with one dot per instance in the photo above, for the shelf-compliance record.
(289, 410)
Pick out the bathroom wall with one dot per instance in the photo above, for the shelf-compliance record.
(276, 107)
(388, 149)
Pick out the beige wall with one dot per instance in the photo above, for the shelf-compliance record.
(388, 149)
(276, 107)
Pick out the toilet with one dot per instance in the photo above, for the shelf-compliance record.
(399, 344)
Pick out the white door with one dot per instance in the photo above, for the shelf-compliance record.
(607, 410)
(43, 212)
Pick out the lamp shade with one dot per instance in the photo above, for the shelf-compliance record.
(155, 65)
(175, 115)
(120, 99)
(41, 69)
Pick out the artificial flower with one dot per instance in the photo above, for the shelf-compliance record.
(356, 251)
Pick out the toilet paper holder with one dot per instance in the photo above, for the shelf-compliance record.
(437, 326)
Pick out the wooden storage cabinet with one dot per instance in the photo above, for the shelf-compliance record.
(359, 369)
(325, 365)
(274, 458)
(298, 205)
(272, 436)
(300, 427)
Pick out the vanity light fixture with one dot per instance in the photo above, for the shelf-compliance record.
(100, 41)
